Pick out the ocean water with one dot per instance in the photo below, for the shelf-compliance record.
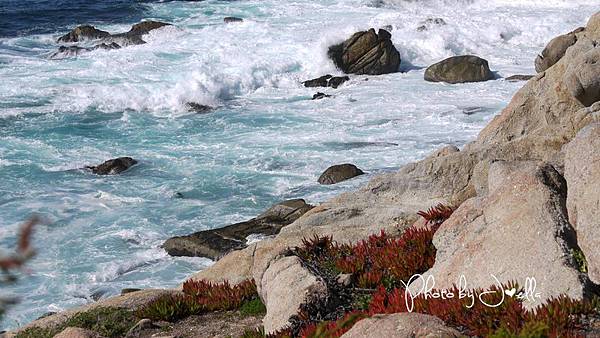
(266, 142)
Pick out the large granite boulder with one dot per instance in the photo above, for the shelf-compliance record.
(402, 325)
(287, 285)
(339, 173)
(582, 172)
(366, 53)
(215, 243)
(114, 166)
(555, 50)
(459, 69)
(519, 230)
(582, 77)
(82, 33)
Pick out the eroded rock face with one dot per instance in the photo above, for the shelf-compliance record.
(215, 243)
(339, 173)
(286, 286)
(82, 33)
(459, 69)
(519, 230)
(555, 50)
(582, 172)
(582, 77)
(402, 325)
(366, 53)
(114, 166)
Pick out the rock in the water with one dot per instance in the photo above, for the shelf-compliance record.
(75, 332)
(366, 53)
(519, 230)
(68, 51)
(114, 166)
(516, 78)
(582, 172)
(232, 19)
(402, 325)
(216, 243)
(430, 22)
(107, 46)
(319, 96)
(287, 285)
(145, 27)
(198, 108)
(326, 81)
(460, 69)
(555, 50)
(84, 32)
(339, 173)
(582, 77)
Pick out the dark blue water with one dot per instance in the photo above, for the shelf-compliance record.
(26, 17)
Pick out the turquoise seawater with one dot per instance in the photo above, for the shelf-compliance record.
(265, 142)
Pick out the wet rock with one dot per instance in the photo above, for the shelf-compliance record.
(430, 22)
(134, 35)
(114, 166)
(319, 96)
(68, 51)
(582, 173)
(555, 50)
(366, 53)
(459, 69)
(199, 108)
(402, 325)
(326, 81)
(82, 33)
(107, 46)
(582, 77)
(216, 243)
(516, 78)
(232, 19)
(339, 173)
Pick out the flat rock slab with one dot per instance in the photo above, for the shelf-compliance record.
(402, 325)
(215, 243)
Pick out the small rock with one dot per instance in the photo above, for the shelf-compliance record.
(107, 46)
(459, 69)
(431, 22)
(198, 108)
(326, 81)
(114, 166)
(84, 32)
(344, 279)
(319, 96)
(516, 78)
(339, 173)
(232, 19)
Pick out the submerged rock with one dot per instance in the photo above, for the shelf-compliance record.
(459, 69)
(114, 166)
(326, 81)
(84, 32)
(555, 50)
(319, 96)
(425, 25)
(516, 78)
(366, 53)
(216, 243)
(198, 108)
(232, 19)
(339, 173)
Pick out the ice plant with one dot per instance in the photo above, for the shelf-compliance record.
(436, 215)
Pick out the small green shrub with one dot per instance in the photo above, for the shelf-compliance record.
(36, 332)
(580, 260)
(253, 308)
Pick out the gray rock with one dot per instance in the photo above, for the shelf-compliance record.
(555, 50)
(339, 173)
(582, 77)
(198, 108)
(82, 33)
(326, 81)
(114, 166)
(366, 53)
(320, 95)
(459, 69)
(232, 19)
(215, 243)
(582, 172)
(287, 285)
(402, 325)
(429, 23)
(519, 230)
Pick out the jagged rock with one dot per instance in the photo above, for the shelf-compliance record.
(215, 243)
(198, 108)
(430, 22)
(516, 78)
(107, 46)
(84, 32)
(366, 53)
(459, 69)
(582, 77)
(582, 172)
(75, 332)
(134, 35)
(68, 51)
(339, 173)
(287, 285)
(232, 19)
(519, 230)
(319, 96)
(555, 50)
(402, 325)
(326, 81)
(114, 166)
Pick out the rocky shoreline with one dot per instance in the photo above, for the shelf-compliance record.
(525, 199)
